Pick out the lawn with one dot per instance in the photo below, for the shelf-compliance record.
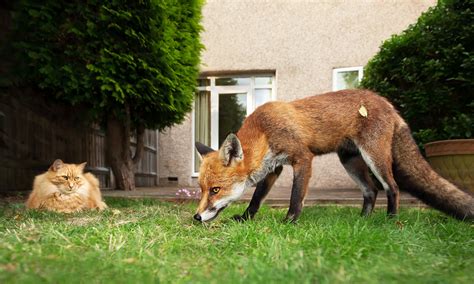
(143, 241)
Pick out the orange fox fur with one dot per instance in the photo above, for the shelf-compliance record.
(65, 188)
(279, 133)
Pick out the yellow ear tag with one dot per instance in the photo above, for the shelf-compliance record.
(363, 111)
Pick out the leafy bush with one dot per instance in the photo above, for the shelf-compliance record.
(131, 64)
(428, 72)
(108, 54)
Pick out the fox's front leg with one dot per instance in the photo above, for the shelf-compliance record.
(302, 174)
(261, 191)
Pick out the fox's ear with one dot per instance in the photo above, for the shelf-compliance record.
(57, 164)
(231, 150)
(203, 150)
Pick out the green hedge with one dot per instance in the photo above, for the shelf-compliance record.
(108, 54)
(428, 72)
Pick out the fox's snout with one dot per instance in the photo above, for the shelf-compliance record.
(210, 206)
(208, 214)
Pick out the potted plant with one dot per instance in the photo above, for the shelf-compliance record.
(454, 158)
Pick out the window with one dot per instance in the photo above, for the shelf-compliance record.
(346, 78)
(202, 120)
(222, 103)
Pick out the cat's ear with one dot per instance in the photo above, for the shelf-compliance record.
(82, 166)
(57, 164)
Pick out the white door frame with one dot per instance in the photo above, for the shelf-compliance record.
(215, 108)
(215, 91)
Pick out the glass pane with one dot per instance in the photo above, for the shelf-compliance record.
(204, 82)
(232, 81)
(263, 80)
(262, 96)
(202, 123)
(232, 112)
(347, 80)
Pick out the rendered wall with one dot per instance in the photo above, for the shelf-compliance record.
(302, 41)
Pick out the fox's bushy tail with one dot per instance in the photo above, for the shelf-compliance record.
(414, 175)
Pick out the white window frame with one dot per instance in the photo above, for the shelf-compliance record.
(215, 91)
(335, 71)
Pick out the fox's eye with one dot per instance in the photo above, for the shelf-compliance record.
(65, 177)
(215, 190)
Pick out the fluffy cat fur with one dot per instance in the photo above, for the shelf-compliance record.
(65, 188)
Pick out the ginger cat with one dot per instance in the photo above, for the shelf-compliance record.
(65, 188)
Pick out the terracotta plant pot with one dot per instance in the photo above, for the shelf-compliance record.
(453, 160)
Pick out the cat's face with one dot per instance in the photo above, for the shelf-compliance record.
(68, 178)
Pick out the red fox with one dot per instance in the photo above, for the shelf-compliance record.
(363, 128)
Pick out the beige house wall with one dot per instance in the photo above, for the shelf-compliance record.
(302, 41)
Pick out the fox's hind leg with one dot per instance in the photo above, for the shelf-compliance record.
(261, 191)
(377, 155)
(357, 169)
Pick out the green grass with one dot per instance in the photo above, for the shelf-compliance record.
(143, 241)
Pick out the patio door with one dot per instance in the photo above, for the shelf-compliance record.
(223, 103)
(231, 113)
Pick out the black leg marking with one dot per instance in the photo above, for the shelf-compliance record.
(261, 191)
(393, 200)
(302, 174)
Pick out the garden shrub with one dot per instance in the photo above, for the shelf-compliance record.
(427, 71)
(133, 64)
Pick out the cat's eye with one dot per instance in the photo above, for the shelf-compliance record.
(76, 178)
(215, 190)
(65, 177)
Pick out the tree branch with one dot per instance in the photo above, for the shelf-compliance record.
(140, 144)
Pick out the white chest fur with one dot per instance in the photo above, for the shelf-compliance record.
(269, 163)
